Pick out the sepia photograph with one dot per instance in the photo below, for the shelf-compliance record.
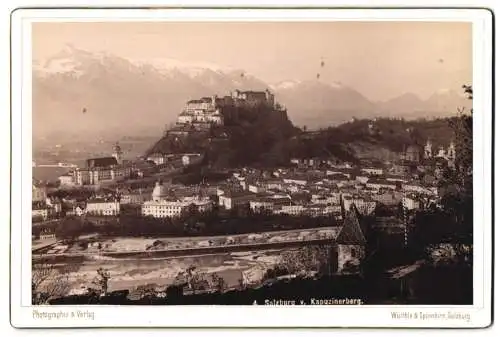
(254, 163)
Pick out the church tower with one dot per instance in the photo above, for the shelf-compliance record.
(117, 153)
(428, 149)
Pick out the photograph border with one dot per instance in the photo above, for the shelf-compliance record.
(12, 203)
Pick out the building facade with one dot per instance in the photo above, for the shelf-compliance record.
(39, 193)
(98, 175)
(232, 200)
(162, 205)
(67, 180)
(103, 207)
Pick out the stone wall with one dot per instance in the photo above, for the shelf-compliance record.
(350, 258)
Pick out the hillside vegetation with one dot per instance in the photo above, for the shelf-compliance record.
(259, 136)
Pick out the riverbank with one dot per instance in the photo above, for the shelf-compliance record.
(148, 246)
(161, 272)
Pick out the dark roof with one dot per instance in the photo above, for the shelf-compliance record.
(351, 232)
(380, 181)
(101, 162)
(252, 92)
(373, 167)
(201, 100)
(238, 194)
(388, 222)
(441, 161)
(338, 176)
(101, 200)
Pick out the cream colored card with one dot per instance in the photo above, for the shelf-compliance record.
(251, 168)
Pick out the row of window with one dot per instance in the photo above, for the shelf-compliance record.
(161, 212)
(162, 207)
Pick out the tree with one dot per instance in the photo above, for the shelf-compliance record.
(305, 260)
(48, 283)
(461, 177)
(454, 223)
(462, 127)
(218, 283)
(69, 228)
(194, 279)
(190, 212)
(147, 291)
(241, 284)
(100, 283)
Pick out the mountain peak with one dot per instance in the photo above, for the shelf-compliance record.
(191, 68)
(71, 59)
(408, 95)
(285, 84)
(294, 84)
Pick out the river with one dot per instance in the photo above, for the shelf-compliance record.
(49, 173)
(128, 273)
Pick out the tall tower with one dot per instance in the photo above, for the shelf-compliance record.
(428, 149)
(269, 98)
(451, 156)
(117, 153)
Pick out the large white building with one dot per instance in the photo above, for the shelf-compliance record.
(102, 170)
(204, 110)
(98, 175)
(106, 207)
(162, 209)
(261, 205)
(67, 179)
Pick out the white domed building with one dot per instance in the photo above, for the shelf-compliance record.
(160, 192)
(161, 207)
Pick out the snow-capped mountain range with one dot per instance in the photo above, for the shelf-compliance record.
(80, 91)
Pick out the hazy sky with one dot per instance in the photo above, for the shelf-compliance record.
(379, 59)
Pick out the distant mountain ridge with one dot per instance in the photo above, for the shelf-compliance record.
(77, 91)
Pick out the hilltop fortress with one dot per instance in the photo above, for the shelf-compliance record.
(201, 114)
(235, 129)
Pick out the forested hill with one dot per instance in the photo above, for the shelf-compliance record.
(382, 139)
(262, 137)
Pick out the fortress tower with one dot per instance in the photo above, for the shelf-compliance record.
(269, 98)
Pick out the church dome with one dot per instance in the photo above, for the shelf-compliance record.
(160, 191)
